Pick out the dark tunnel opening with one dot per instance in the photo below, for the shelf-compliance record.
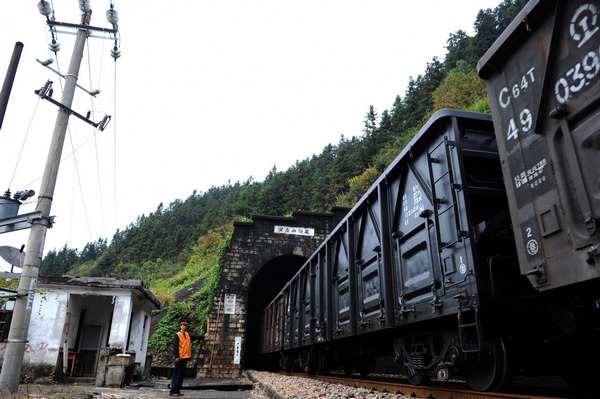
(267, 283)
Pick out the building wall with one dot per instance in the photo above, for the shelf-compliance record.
(140, 331)
(49, 321)
(46, 329)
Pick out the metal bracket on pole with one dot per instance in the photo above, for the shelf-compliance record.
(11, 296)
(82, 27)
(100, 125)
(24, 221)
(91, 93)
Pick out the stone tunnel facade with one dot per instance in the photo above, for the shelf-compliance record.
(254, 244)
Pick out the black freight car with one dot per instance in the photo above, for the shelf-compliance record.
(423, 269)
(543, 82)
(427, 266)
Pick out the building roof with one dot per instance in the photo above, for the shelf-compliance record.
(101, 282)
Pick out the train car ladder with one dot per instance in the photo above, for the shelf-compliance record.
(438, 202)
(469, 330)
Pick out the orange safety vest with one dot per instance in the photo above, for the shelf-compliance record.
(185, 345)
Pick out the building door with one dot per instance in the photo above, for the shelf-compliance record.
(91, 335)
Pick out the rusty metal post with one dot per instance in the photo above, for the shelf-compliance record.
(10, 78)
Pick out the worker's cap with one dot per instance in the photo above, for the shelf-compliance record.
(183, 322)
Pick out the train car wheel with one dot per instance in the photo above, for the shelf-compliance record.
(488, 370)
(416, 378)
(285, 363)
(322, 367)
(364, 370)
(348, 368)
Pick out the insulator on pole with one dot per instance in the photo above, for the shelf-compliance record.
(44, 8)
(54, 46)
(104, 122)
(112, 15)
(84, 5)
(115, 52)
(44, 89)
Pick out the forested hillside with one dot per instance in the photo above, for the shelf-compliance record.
(164, 248)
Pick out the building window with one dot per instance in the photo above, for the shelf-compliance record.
(5, 319)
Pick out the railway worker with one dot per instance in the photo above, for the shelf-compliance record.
(182, 352)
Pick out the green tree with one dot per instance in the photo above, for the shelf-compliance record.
(460, 48)
(93, 250)
(507, 11)
(358, 187)
(369, 147)
(418, 101)
(460, 89)
(56, 264)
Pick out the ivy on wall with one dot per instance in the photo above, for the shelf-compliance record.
(210, 252)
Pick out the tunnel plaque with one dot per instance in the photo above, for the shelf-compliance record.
(301, 231)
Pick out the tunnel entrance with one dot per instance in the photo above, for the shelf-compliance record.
(262, 257)
(267, 283)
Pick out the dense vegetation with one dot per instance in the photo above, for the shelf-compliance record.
(178, 244)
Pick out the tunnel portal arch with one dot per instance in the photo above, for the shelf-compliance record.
(262, 256)
(265, 285)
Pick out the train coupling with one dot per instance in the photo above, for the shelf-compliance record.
(593, 253)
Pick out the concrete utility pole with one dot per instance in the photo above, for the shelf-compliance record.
(17, 338)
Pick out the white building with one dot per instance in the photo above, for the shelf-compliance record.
(84, 314)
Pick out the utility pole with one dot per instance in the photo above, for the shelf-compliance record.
(17, 338)
(8, 81)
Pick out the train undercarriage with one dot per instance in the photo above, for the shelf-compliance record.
(485, 358)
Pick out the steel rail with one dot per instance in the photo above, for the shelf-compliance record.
(441, 391)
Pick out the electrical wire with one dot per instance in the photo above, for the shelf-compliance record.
(73, 152)
(64, 158)
(74, 149)
(34, 110)
(115, 140)
(87, 221)
(24, 141)
(96, 149)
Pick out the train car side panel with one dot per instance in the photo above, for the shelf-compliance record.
(431, 241)
(342, 282)
(374, 286)
(543, 83)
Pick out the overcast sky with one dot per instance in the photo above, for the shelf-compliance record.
(207, 92)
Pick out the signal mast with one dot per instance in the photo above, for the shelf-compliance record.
(17, 338)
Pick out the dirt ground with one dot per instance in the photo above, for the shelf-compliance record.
(192, 389)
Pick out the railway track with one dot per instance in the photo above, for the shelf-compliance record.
(435, 391)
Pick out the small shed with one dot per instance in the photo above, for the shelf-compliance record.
(80, 316)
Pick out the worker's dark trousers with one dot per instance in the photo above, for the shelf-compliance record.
(178, 374)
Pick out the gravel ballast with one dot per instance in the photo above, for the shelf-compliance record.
(277, 386)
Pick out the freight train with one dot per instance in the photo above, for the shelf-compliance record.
(476, 254)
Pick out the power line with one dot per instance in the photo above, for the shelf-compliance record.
(24, 141)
